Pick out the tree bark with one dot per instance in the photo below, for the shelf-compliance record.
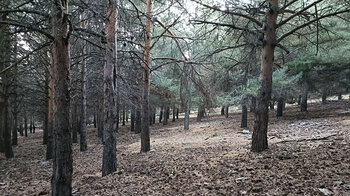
(223, 110)
(324, 96)
(49, 145)
(15, 129)
(303, 105)
(123, 115)
(25, 125)
(259, 137)
(252, 104)
(244, 116)
(174, 113)
(75, 125)
(161, 114)
(187, 115)
(138, 121)
(226, 111)
(165, 115)
(132, 119)
(145, 135)
(177, 113)
(100, 118)
(83, 142)
(280, 108)
(110, 109)
(61, 183)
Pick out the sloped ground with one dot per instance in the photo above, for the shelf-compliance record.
(308, 155)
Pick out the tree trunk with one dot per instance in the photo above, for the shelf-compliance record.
(31, 124)
(75, 125)
(145, 135)
(259, 137)
(340, 97)
(303, 105)
(226, 111)
(165, 115)
(174, 113)
(132, 119)
(123, 115)
(154, 116)
(127, 115)
(324, 96)
(223, 110)
(272, 105)
(244, 116)
(168, 113)
(161, 114)
(25, 125)
(280, 108)
(49, 145)
(187, 115)
(20, 130)
(61, 182)
(252, 104)
(110, 108)
(200, 113)
(83, 142)
(15, 128)
(95, 123)
(138, 121)
(100, 118)
(177, 113)
(299, 100)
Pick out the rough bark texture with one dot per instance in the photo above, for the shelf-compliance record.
(259, 137)
(244, 119)
(61, 183)
(280, 108)
(145, 135)
(110, 110)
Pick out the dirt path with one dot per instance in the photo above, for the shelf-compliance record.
(213, 158)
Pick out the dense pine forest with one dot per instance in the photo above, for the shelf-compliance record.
(175, 97)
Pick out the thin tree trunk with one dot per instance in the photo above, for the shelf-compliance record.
(145, 135)
(110, 108)
(14, 128)
(75, 124)
(95, 121)
(223, 110)
(177, 113)
(123, 114)
(272, 105)
(31, 124)
(161, 114)
(187, 115)
(165, 115)
(226, 111)
(138, 121)
(83, 142)
(324, 96)
(280, 108)
(132, 119)
(244, 121)
(259, 137)
(25, 125)
(303, 105)
(340, 97)
(174, 113)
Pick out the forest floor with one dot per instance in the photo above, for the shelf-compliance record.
(308, 154)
